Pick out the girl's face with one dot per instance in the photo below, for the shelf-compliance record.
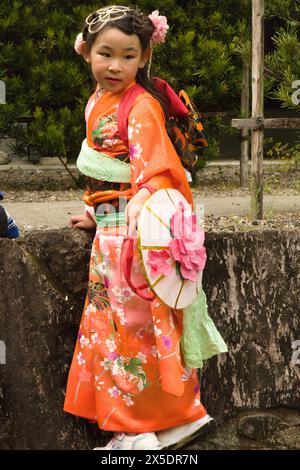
(115, 59)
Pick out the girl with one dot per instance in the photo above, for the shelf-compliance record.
(8, 227)
(127, 372)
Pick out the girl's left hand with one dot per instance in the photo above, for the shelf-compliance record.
(133, 211)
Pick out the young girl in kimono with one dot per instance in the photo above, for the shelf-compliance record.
(127, 373)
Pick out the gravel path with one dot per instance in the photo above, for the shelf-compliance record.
(226, 205)
(222, 211)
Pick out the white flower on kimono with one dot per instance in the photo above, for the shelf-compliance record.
(126, 294)
(95, 338)
(105, 364)
(128, 400)
(122, 294)
(90, 309)
(133, 128)
(142, 357)
(80, 359)
(102, 268)
(114, 392)
(115, 368)
(130, 132)
(154, 351)
(121, 315)
(157, 331)
(84, 341)
(197, 402)
(111, 345)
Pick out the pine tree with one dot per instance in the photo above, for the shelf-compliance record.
(282, 66)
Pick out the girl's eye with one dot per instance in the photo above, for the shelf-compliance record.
(128, 57)
(104, 54)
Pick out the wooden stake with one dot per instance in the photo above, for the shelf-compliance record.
(257, 107)
(244, 161)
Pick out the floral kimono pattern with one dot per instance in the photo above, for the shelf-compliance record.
(127, 372)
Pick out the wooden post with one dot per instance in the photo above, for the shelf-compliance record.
(257, 107)
(244, 161)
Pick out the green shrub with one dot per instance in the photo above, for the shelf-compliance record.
(49, 84)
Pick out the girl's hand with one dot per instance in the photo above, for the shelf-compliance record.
(133, 211)
(82, 221)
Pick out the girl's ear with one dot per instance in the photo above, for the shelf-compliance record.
(145, 58)
(86, 53)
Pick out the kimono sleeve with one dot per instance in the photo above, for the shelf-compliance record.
(153, 158)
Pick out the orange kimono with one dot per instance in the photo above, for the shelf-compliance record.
(127, 372)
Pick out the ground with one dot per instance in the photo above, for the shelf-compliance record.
(226, 205)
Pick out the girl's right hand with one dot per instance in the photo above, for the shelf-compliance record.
(82, 221)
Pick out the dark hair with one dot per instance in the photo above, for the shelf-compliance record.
(134, 22)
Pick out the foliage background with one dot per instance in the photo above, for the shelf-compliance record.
(49, 84)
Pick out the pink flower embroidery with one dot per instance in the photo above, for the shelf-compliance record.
(167, 342)
(135, 151)
(157, 260)
(187, 246)
(161, 27)
(113, 356)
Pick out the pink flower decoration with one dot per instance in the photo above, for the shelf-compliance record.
(161, 27)
(187, 246)
(157, 260)
(113, 356)
(79, 43)
(132, 151)
(167, 342)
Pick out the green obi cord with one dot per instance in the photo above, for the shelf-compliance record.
(111, 220)
(200, 339)
(99, 166)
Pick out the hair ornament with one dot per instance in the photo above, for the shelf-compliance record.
(79, 43)
(161, 27)
(103, 16)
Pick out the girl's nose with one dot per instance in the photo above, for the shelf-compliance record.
(114, 66)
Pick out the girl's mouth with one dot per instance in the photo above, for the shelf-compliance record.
(113, 81)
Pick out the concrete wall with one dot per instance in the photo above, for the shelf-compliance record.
(252, 282)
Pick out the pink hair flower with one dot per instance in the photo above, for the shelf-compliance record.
(79, 43)
(161, 27)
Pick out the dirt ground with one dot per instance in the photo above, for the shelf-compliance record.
(226, 205)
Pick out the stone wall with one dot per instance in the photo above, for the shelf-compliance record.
(252, 282)
(39, 178)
